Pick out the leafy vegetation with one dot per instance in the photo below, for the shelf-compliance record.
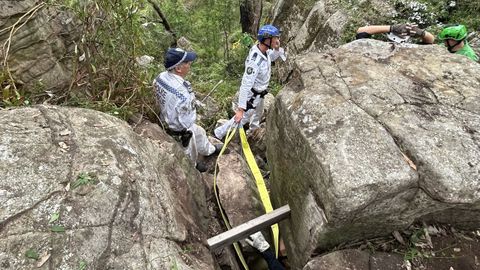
(82, 179)
(82, 265)
(115, 34)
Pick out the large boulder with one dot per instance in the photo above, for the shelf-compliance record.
(41, 46)
(356, 260)
(81, 188)
(374, 137)
(474, 40)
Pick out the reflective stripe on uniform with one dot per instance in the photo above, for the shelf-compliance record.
(170, 89)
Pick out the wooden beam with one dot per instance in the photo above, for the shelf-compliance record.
(242, 231)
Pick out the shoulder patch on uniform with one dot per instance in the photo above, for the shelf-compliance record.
(260, 61)
(254, 56)
(249, 70)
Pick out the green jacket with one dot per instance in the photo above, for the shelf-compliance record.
(468, 52)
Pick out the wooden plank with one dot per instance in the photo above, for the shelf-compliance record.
(242, 231)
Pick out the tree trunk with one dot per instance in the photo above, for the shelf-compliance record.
(165, 23)
(250, 15)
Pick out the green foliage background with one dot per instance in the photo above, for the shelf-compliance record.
(115, 33)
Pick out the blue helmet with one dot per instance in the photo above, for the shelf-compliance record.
(267, 31)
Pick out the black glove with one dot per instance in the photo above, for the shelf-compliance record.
(416, 32)
(185, 138)
(401, 30)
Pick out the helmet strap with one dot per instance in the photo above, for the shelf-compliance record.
(450, 48)
(268, 45)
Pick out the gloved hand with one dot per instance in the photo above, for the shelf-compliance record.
(401, 30)
(415, 31)
(257, 241)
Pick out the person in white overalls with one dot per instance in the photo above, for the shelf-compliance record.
(176, 99)
(255, 80)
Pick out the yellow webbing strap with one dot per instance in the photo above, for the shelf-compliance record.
(228, 138)
(262, 189)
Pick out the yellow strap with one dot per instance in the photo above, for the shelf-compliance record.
(228, 138)
(262, 189)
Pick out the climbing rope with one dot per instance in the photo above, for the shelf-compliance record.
(262, 189)
(228, 138)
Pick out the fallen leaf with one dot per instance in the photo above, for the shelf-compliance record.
(43, 259)
(399, 237)
(63, 145)
(457, 250)
(427, 237)
(106, 163)
(407, 265)
(57, 228)
(432, 230)
(65, 132)
(67, 187)
(54, 217)
(467, 238)
(31, 254)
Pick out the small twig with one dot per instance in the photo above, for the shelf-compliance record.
(14, 28)
(164, 21)
(129, 98)
(156, 115)
(211, 91)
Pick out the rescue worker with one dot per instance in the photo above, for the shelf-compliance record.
(398, 33)
(454, 38)
(176, 99)
(255, 80)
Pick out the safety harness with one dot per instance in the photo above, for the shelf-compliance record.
(256, 93)
(182, 136)
(260, 183)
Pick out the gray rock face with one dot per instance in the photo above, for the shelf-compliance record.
(474, 40)
(123, 202)
(41, 51)
(356, 260)
(237, 190)
(375, 136)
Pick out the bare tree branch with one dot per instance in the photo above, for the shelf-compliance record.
(164, 21)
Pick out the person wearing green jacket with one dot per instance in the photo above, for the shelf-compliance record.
(454, 38)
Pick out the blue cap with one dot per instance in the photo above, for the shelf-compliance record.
(175, 56)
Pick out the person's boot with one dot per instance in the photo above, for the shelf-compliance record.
(201, 167)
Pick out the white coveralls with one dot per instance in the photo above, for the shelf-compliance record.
(177, 109)
(257, 76)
